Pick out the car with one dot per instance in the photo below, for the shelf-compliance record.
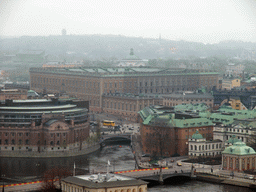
(155, 164)
(130, 128)
(248, 177)
(179, 164)
(172, 161)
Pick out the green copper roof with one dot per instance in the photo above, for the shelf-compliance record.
(239, 148)
(197, 135)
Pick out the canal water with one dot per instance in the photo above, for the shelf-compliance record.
(120, 158)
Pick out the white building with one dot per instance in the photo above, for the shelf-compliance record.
(102, 183)
(199, 146)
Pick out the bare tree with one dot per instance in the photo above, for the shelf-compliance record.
(159, 141)
(51, 176)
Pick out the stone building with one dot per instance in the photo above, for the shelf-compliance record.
(43, 125)
(200, 147)
(90, 84)
(187, 97)
(165, 132)
(13, 94)
(238, 157)
(103, 183)
(228, 84)
(128, 105)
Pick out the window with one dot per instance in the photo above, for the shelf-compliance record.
(13, 141)
(27, 142)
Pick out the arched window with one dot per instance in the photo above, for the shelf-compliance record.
(195, 147)
(191, 147)
(200, 148)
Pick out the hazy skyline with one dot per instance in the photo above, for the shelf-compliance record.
(207, 21)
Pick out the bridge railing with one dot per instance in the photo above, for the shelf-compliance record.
(164, 173)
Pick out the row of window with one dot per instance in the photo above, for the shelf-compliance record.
(205, 147)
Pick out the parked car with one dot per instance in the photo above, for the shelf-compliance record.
(155, 164)
(179, 164)
(145, 155)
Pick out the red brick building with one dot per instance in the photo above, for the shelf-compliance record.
(166, 133)
(43, 125)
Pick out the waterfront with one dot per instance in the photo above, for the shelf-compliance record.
(120, 157)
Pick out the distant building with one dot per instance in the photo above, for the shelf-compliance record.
(31, 56)
(13, 94)
(90, 83)
(187, 97)
(132, 61)
(233, 70)
(239, 157)
(200, 147)
(228, 84)
(103, 182)
(127, 105)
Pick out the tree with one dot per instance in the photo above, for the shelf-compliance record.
(51, 176)
(159, 141)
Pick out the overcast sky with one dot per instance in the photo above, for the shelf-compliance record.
(208, 21)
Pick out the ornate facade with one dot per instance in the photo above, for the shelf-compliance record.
(42, 125)
(91, 83)
(238, 157)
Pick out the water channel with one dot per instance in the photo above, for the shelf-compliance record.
(120, 157)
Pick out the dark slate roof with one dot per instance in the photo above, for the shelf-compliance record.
(110, 184)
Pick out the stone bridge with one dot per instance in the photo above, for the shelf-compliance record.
(156, 174)
(115, 137)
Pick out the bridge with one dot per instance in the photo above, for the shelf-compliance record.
(115, 137)
(157, 174)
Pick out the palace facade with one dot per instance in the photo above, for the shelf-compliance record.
(88, 83)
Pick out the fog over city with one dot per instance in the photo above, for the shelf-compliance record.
(190, 20)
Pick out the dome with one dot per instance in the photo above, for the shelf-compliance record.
(197, 135)
(239, 148)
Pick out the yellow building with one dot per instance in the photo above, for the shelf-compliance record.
(237, 104)
(228, 84)
(103, 183)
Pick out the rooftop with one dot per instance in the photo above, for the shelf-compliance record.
(104, 181)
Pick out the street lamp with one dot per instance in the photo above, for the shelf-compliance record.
(37, 166)
(3, 182)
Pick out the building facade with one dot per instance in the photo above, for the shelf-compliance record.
(238, 157)
(103, 183)
(200, 147)
(187, 97)
(13, 94)
(128, 105)
(166, 133)
(43, 125)
(91, 83)
(228, 84)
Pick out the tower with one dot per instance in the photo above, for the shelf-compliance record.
(64, 32)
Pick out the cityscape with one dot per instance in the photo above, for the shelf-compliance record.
(128, 103)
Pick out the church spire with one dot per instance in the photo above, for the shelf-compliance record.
(131, 51)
